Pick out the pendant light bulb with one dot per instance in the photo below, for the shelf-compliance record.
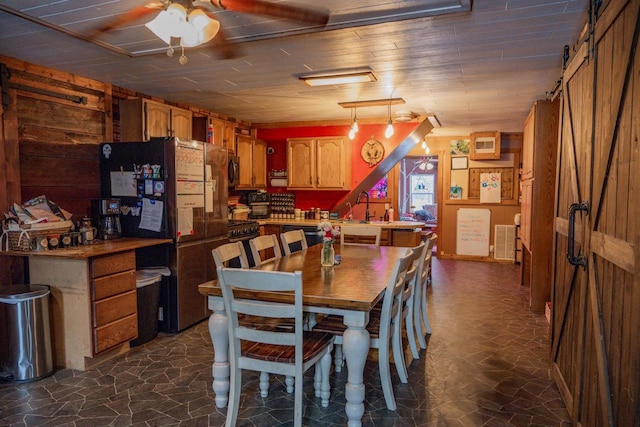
(354, 126)
(389, 131)
(427, 150)
(424, 144)
(352, 133)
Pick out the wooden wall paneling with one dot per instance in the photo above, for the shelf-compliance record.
(506, 183)
(11, 268)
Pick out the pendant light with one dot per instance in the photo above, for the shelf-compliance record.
(354, 126)
(389, 131)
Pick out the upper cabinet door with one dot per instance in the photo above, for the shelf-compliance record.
(301, 160)
(528, 140)
(181, 123)
(157, 120)
(243, 151)
(260, 163)
(331, 163)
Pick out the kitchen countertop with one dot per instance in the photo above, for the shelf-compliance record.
(396, 225)
(100, 247)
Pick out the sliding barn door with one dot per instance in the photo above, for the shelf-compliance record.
(595, 350)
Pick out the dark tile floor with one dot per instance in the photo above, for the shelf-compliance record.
(486, 364)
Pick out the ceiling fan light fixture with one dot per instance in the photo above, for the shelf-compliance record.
(339, 79)
(199, 29)
(169, 22)
(192, 29)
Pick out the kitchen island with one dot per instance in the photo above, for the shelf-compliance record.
(394, 233)
(93, 301)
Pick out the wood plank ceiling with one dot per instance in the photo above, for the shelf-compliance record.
(476, 65)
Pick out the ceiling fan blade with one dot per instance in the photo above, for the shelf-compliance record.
(224, 48)
(278, 10)
(130, 16)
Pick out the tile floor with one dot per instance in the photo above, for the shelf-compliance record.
(486, 365)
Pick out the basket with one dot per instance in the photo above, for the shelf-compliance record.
(241, 215)
(17, 238)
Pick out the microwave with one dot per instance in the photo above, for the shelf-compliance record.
(234, 171)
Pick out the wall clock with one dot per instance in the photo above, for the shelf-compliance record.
(372, 152)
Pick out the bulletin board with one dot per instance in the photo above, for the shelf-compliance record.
(473, 232)
(506, 189)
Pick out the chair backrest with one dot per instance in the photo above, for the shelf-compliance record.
(360, 235)
(228, 252)
(290, 237)
(392, 302)
(247, 282)
(425, 272)
(261, 243)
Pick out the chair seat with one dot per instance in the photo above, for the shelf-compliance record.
(313, 343)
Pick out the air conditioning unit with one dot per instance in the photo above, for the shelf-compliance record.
(504, 240)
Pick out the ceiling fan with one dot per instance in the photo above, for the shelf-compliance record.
(193, 21)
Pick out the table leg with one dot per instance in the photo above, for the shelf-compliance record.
(355, 343)
(220, 369)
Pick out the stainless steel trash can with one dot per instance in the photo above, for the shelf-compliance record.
(25, 353)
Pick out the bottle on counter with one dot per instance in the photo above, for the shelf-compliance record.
(386, 212)
(391, 215)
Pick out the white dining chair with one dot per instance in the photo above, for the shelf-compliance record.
(223, 254)
(263, 243)
(420, 312)
(383, 324)
(289, 238)
(360, 235)
(283, 352)
(410, 301)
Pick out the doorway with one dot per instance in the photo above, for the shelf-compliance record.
(418, 190)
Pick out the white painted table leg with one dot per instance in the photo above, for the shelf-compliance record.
(355, 342)
(220, 369)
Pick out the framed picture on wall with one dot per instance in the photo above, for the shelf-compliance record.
(459, 162)
(455, 193)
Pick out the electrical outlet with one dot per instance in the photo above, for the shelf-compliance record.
(490, 248)
(442, 253)
(160, 314)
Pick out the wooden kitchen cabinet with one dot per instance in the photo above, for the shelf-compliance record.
(540, 141)
(142, 119)
(252, 154)
(318, 163)
(113, 300)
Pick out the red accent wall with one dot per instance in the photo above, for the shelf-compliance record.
(326, 200)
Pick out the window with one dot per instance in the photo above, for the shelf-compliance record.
(422, 193)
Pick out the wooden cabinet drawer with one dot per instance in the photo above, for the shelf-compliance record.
(111, 309)
(115, 333)
(114, 263)
(108, 286)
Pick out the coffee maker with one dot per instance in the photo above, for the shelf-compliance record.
(106, 214)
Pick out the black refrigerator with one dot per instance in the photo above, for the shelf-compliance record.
(177, 189)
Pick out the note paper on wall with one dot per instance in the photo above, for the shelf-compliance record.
(473, 232)
(490, 187)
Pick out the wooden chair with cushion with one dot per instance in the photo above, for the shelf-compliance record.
(284, 352)
(264, 243)
(292, 237)
(383, 324)
(360, 235)
(423, 278)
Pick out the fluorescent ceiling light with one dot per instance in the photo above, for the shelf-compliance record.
(339, 79)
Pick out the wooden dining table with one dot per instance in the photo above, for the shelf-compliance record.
(349, 289)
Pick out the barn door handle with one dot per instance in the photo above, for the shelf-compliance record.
(573, 259)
